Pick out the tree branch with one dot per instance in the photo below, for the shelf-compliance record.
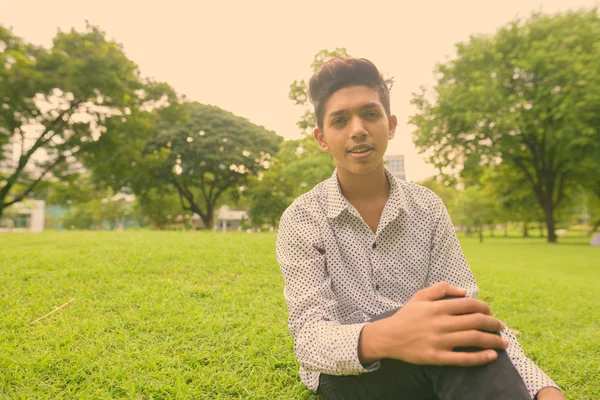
(24, 193)
(521, 164)
(184, 192)
(561, 188)
(24, 159)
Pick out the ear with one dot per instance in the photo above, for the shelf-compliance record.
(392, 127)
(320, 138)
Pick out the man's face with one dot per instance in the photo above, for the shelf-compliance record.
(356, 130)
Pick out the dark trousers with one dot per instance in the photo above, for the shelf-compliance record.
(398, 380)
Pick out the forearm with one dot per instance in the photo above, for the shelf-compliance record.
(549, 393)
(368, 351)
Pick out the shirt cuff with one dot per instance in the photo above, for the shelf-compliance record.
(349, 362)
(339, 353)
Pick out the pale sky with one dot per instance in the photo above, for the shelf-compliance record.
(243, 55)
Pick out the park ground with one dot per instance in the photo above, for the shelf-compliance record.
(160, 315)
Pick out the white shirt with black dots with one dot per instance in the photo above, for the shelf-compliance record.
(339, 274)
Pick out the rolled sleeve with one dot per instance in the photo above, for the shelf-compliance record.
(534, 378)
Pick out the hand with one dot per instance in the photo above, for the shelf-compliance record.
(425, 331)
(549, 393)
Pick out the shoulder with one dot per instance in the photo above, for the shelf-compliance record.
(307, 207)
(419, 199)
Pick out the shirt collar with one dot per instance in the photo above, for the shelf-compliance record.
(336, 202)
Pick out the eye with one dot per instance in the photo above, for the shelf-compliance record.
(372, 115)
(338, 121)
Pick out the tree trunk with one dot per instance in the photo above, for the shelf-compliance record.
(506, 229)
(525, 229)
(550, 225)
(491, 230)
(480, 234)
(206, 217)
(468, 231)
(541, 229)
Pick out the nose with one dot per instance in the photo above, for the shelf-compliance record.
(357, 129)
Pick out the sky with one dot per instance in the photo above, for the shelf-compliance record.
(243, 55)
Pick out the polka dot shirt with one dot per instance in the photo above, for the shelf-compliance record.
(338, 273)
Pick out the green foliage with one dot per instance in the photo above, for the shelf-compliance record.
(160, 314)
(269, 194)
(55, 101)
(89, 206)
(75, 189)
(196, 151)
(158, 208)
(83, 216)
(97, 214)
(526, 98)
(473, 207)
(298, 167)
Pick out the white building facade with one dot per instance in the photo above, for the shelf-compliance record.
(26, 216)
(395, 163)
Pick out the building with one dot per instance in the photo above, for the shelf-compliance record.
(395, 163)
(26, 216)
(230, 220)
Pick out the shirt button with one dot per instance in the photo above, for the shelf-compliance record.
(374, 246)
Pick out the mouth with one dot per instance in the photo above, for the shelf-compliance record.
(360, 149)
(360, 152)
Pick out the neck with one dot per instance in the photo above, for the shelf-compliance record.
(359, 188)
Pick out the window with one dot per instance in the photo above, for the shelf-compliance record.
(395, 165)
(22, 221)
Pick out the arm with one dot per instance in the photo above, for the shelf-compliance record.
(449, 264)
(321, 343)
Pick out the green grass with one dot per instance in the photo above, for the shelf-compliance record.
(201, 315)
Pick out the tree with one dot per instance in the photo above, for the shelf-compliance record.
(194, 150)
(89, 205)
(593, 206)
(158, 208)
(297, 167)
(54, 101)
(269, 194)
(207, 154)
(526, 97)
(472, 208)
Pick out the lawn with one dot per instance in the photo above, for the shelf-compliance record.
(201, 315)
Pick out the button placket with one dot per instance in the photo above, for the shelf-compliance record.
(374, 263)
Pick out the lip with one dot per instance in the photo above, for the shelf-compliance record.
(360, 146)
(360, 156)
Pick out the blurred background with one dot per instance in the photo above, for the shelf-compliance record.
(194, 115)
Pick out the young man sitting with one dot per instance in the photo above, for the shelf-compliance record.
(381, 300)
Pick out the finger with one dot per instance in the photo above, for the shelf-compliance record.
(473, 338)
(477, 321)
(465, 359)
(439, 291)
(463, 306)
